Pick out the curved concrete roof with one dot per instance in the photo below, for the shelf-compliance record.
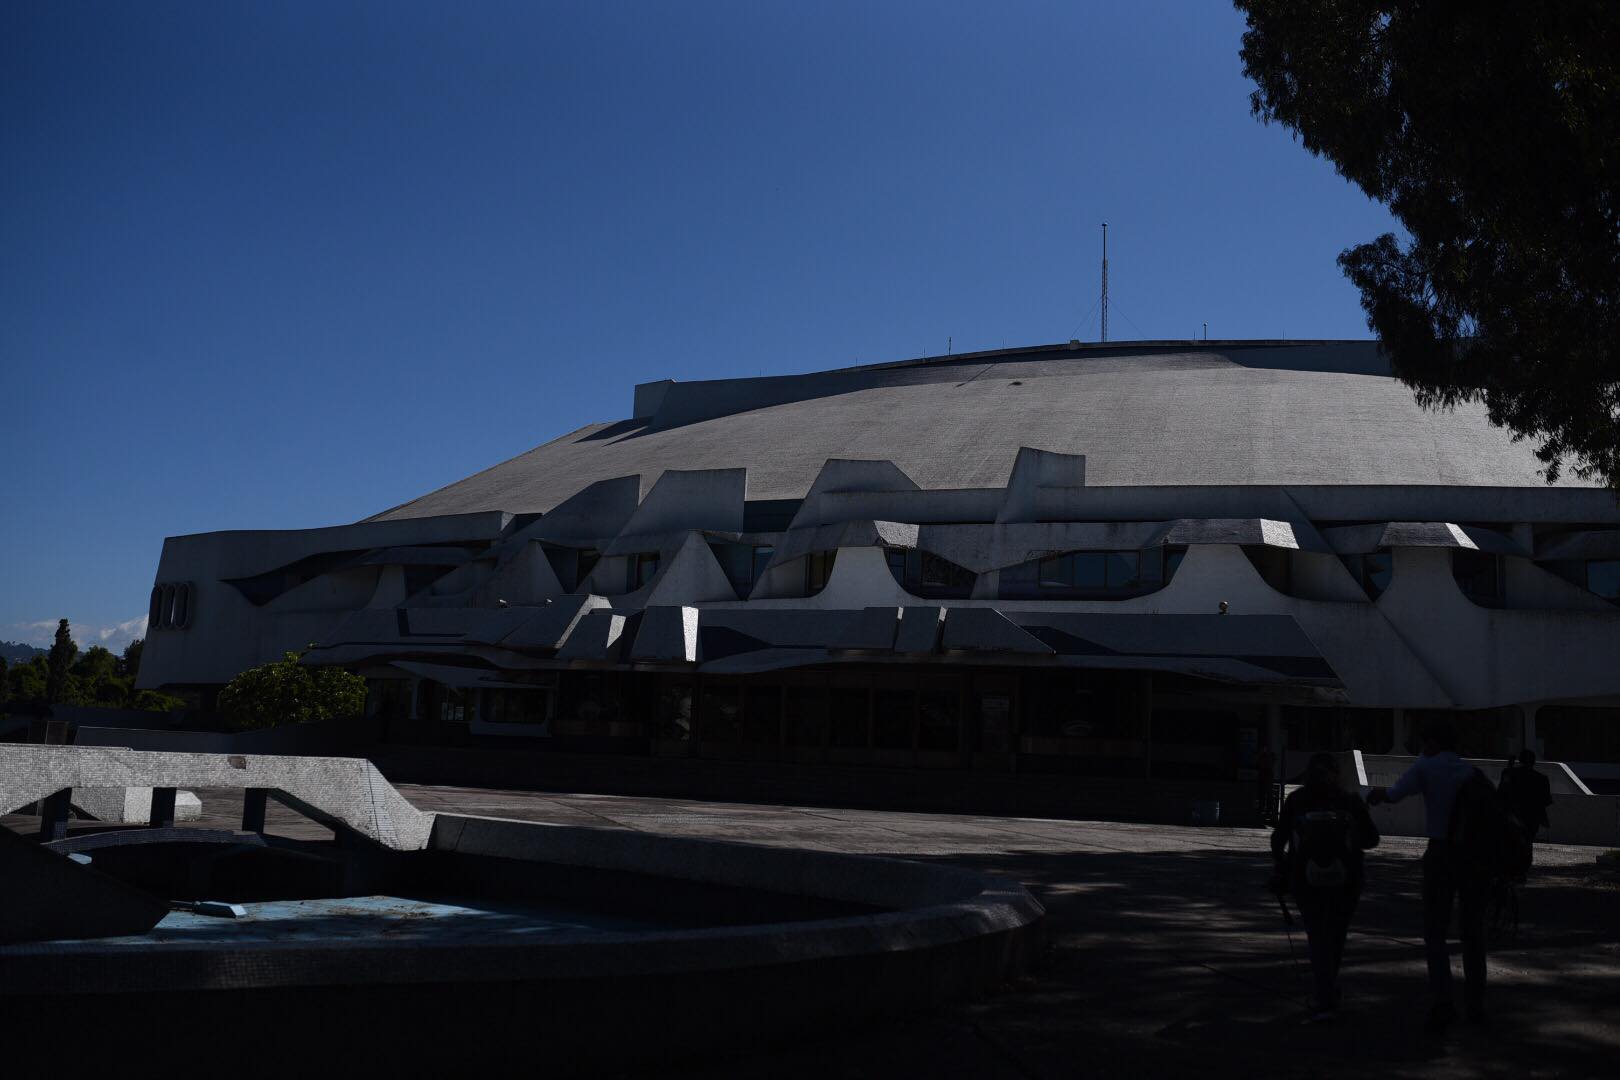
(1144, 414)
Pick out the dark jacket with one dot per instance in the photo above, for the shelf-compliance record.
(1311, 797)
(1527, 793)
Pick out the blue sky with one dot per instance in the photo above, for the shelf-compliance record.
(285, 265)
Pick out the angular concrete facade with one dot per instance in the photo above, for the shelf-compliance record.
(1127, 560)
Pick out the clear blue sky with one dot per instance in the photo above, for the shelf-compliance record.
(285, 265)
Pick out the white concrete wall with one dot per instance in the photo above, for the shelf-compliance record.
(1572, 819)
(1484, 656)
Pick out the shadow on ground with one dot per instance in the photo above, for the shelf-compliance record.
(1178, 964)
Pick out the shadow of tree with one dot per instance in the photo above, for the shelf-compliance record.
(1177, 963)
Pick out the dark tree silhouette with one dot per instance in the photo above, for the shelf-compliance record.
(129, 665)
(1492, 131)
(60, 663)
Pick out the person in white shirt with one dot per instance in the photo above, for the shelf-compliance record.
(1438, 775)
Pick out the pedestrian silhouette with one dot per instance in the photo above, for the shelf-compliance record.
(1439, 775)
(1527, 794)
(1317, 848)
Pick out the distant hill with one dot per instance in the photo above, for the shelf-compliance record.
(15, 652)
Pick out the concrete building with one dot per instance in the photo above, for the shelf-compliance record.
(1126, 560)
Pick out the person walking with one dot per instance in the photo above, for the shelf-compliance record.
(1265, 768)
(1317, 848)
(1527, 794)
(1438, 776)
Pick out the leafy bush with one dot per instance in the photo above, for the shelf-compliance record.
(286, 692)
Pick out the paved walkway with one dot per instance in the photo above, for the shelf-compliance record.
(1169, 958)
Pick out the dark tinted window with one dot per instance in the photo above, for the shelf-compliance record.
(923, 573)
(1603, 577)
(643, 568)
(1102, 575)
(1479, 576)
(818, 571)
(1372, 571)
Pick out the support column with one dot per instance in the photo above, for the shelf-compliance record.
(1146, 707)
(1532, 739)
(53, 815)
(162, 808)
(1404, 735)
(253, 806)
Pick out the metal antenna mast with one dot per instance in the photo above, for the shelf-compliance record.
(1103, 303)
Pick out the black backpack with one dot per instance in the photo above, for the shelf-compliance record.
(1486, 840)
(1322, 849)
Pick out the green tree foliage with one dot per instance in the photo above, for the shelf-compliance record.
(1492, 131)
(97, 681)
(59, 663)
(129, 664)
(28, 681)
(94, 677)
(286, 692)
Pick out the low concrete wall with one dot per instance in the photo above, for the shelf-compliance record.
(1574, 819)
(966, 791)
(343, 792)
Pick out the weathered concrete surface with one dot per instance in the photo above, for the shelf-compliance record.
(1170, 959)
(341, 791)
(132, 805)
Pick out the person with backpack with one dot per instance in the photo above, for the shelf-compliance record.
(1471, 840)
(1317, 847)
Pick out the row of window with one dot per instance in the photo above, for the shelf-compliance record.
(1091, 714)
(1092, 575)
(171, 606)
(1482, 577)
(1077, 575)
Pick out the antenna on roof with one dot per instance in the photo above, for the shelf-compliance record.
(1103, 302)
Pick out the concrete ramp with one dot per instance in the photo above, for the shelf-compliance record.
(338, 792)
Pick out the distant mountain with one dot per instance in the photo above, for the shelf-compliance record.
(16, 652)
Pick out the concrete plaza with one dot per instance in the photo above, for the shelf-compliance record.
(1168, 956)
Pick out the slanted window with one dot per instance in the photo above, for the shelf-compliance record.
(1091, 575)
(818, 568)
(572, 566)
(642, 569)
(1603, 578)
(1372, 571)
(588, 558)
(922, 573)
(1479, 576)
(743, 564)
